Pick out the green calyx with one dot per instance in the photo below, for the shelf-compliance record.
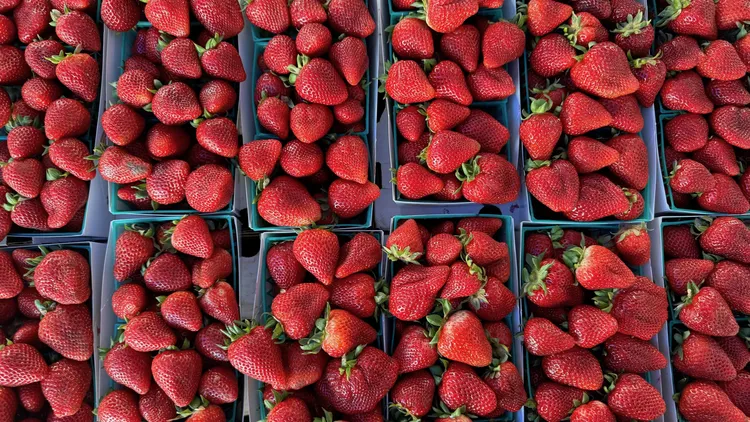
(278, 397)
(199, 403)
(32, 263)
(603, 299)
(444, 412)
(53, 174)
(692, 290)
(12, 200)
(349, 361)
(277, 328)
(45, 307)
(585, 399)
(18, 121)
(56, 59)
(635, 25)
(640, 62)
(164, 41)
(327, 417)
(611, 378)
(382, 294)
(469, 170)
(671, 12)
(539, 105)
(534, 280)
(314, 343)
(294, 71)
(634, 230)
(701, 224)
(536, 164)
(571, 31)
(436, 320)
(394, 253)
(212, 43)
(145, 230)
(238, 329)
(680, 338)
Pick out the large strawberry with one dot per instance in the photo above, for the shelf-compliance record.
(614, 81)
(555, 184)
(598, 198)
(448, 80)
(63, 276)
(342, 332)
(700, 356)
(268, 15)
(128, 367)
(317, 81)
(640, 310)
(298, 308)
(729, 123)
(118, 404)
(489, 179)
(724, 236)
(546, 15)
(348, 199)
(415, 182)
(413, 291)
(693, 17)
(448, 150)
(502, 42)
(147, 332)
(685, 92)
(120, 15)
(79, 72)
(461, 338)
(650, 73)
(729, 278)
(67, 330)
(575, 367)
(132, 249)
(629, 354)
(177, 373)
(21, 364)
(631, 396)
(462, 387)
(580, 114)
(220, 59)
(66, 385)
(540, 130)
(349, 57)
(318, 252)
(407, 83)
(223, 18)
(286, 202)
(62, 197)
(32, 19)
(253, 352)
(191, 236)
(596, 267)
(170, 16)
(704, 400)
(490, 84)
(76, 28)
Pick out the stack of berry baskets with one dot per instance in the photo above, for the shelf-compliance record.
(207, 165)
(472, 96)
(32, 88)
(223, 231)
(639, 319)
(450, 237)
(625, 114)
(278, 251)
(705, 257)
(705, 52)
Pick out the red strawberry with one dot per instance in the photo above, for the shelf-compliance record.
(736, 390)
(414, 351)
(596, 267)
(490, 84)
(626, 114)
(298, 308)
(462, 339)
(355, 294)
(65, 386)
(592, 411)
(350, 17)
(445, 17)
(503, 42)
(720, 61)
(552, 55)
(679, 242)
(361, 253)
(629, 354)
(63, 276)
(680, 53)
(32, 18)
(208, 342)
(317, 81)
(175, 104)
(62, 197)
(122, 124)
(349, 57)
(640, 310)
(650, 73)
(221, 60)
(681, 271)
(726, 197)
(460, 46)
(636, 35)
(590, 326)
(129, 300)
(217, 96)
(416, 182)
(588, 73)
(449, 150)
(283, 266)
(348, 199)
(180, 311)
(575, 367)
(299, 159)
(258, 158)
(412, 395)
(268, 15)
(119, 405)
(271, 85)
(406, 83)
(219, 136)
(177, 373)
(705, 311)
(633, 244)
(280, 53)
(544, 16)
(410, 123)
(581, 114)
(405, 243)
(485, 129)
(21, 365)
(120, 15)
(348, 158)
(342, 333)
(31, 398)
(540, 131)
(156, 405)
(554, 402)
(461, 387)
(318, 252)
(180, 58)
(413, 291)
(219, 385)
(36, 53)
(727, 92)
(701, 356)
(687, 132)
(76, 28)
(694, 18)
(286, 202)
(589, 155)
(166, 273)
(166, 183)
(132, 249)
(208, 271)
(14, 71)
(38, 93)
(631, 396)
(310, 122)
(442, 249)
(489, 179)
(25, 176)
(191, 236)
(448, 80)
(705, 400)
(728, 123)
(412, 39)
(306, 11)
(135, 87)
(12, 284)
(728, 278)
(463, 281)
(79, 72)
(685, 92)
(170, 16)
(584, 26)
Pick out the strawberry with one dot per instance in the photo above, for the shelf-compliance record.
(166, 183)
(640, 310)
(38, 93)
(650, 73)
(283, 266)
(584, 26)
(540, 131)
(122, 124)
(589, 75)
(164, 141)
(681, 271)
(461, 387)
(355, 294)
(546, 15)
(350, 17)
(414, 351)
(223, 18)
(485, 129)
(412, 395)
(287, 409)
(62, 197)
(680, 53)
(32, 18)
(596, 267)
(208, 342)
(589, 155)
(348, 199)
(180, 311)
(302, 368)
(120, 15)
(448, 150)
(460, 46)
(679, 242)
(554, 402)
(219, 385)
(507, 384)
(79, 72)
(219, 136)
(29, 214)
(317, 81)
(552, 55)
(191, 236)
(490, 179)
(31, 398)
(631, 396)
(15, 70)
(156, 405)
(704, 400)
(705, 311)
(307, 11)
(170, 16)
(598, 198)
(590, 326)
(299, 159)
(286, 202)
(635, 36)
(63, 276)
(685, 92)
(221, 60)
(575, 367)
(25, 176)
(318, 252)
(177, 373)
(495, 303)
(504, 42)
(416, 182)
(135, 87)
(482, 248)
(448, 80)
(736, 390)
(217, 96)
(366, 375)
(621, 9)
(129, 300)
(633, 244)
(297, 309)
(701, 356)
(119, 405)
(413, 291)
(313, 40)
(132, 249)
(166, 273)
(310, 122)
(543, 338)
(629, 354)
(726, 197)
(361, 253)
(406, 83)
(180, 58)
(342, 332)
(405, 243)
(408, 152)
(720, 61)
(742, 45)
(581, 113)
(208, 271)
(626, 114)
(442, 249)
(139, 61)
(410, 123)
(258, 158)
(22, 364)
(271, 85)
(65, 386)
(695, 17)
(464, 280)
(490, 84)
(348, 158)
(35, 56)
(445, 17)
(687, 132)
(728, 122)
(175, 104)
(631, 168)
(728, 278)
(280, 53)
(592, 411)
(268, 15)
(727, 92)
(76, 28)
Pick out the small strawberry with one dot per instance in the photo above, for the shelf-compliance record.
(596, 267)
(191, 236)
(590, 326)
(461, 46)
(720, 61)
(79, 72)
(552, 55)
(219, 136)
(650, 73)
(635, 36)
(727, 92)
(412, 39)
(32, 19)
(14, 70)
(589, 155)
(177, 373)
(209, 340)
(412, 395)
(129, 300)
(180, 311)
(24, 141)
(546, 15)
(166, 273)
(406, 83)
(413, 291)
(443, 115)
(410, 123)
(208, 271)
(135, 87)
(300, 160)
(540, 131)
(581, 113)
(219, 385)
(221, 60)
(122, 124)
(640, 310)
(348, 199)
(317, 81)
(148, 332)
(286, 202)
(258, 158)
(575, 367)
(728, 122)
(415, 182)
(592, 411)
(448, 80)
(217, 96)
(405, 243)
(504, 41)
(307, 11)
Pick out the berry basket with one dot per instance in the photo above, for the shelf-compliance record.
(505, 234)
(264, 291)
(109, 323)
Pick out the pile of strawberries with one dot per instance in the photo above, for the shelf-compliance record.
(174, 303)
(315, 353)
(588, 77)
(449, 139)
(564, 270)
(50, 80)
(707, 54)
(712, 275)
(310, 86)
(452, 307)
(184, 82)
(47, 337)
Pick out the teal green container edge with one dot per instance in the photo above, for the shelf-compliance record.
(232, 412)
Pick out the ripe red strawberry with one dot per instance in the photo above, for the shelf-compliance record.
(460, 46)
(306, 11)
(25, 176)
(503, 42)
(164, 141)
(414, 289)
(405, 242)
(705, 311)
(728, 123)
(35, 56)
(63, 276)
(727, 92)
(355, 294)
(584, 26)
(650, 73)
(589, 155)
(166, 183)
(463, 281)
(461, 387)
(14, 70)
(635, 36)
(318, 252)
(445, 17)
(135, 87)
(310, 122)
(495, 303)
(548, 283)
(286, 202)
(632, 166)
(626, 114)
(156, 405)
(32, 19)
(21, 365)
(679, 242)
(592, 411)
(554, 402)
(180, 58)
(318, 82)
(31, 398)
(726, 197)
(581, 113)
(590, 326)
(219, 385)
(681, 271)
(540, 131)
(482, 248)
(119, 405)
(208, 340)
(687, 132)
(640, 310)
(443, 115)
(39, 93)
(208, 271)
(412, 39)
(406, 83)
(122, 124)
(720, 61)
(175, 104)
(147, 332)
(552, 55)
(543, 338)
(448, 80)
(129, 300)
(29, 213)
(271, 85)
(348, 199)
(299, 159)
(283, 266)
(413, 393)
(596, 267)
(217, 96)
(62, 197)
(191, 236)
(258, 158)
(575, 367)
(490, 84)
(350, 17)
(629, 354)
(361, 253)
(416, 182)
(219, 136)
(685, 92)
(680, 53)
(223, 18)
(348, 158)
(728, 278)
(736, 390)
(485, 129)
(633, 244)
(65, 386)
(443, 249)
(701, 356)
(588, 74)
(120, 15)
(349, 57)
(408, 152)
(631, 396)
(221, 60)
(79, 72)
(76, 28)
(544, 16)
(695, 18)
(410, 123)
(298, 308)
(180, 311)
(268, 15)
(414, 351)
(177, 373)
(170, 16)
(166, 273)
(342, 333)
(598, 198)
(132, 249)
(490, 178)
(705, 400)
(280, 53)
